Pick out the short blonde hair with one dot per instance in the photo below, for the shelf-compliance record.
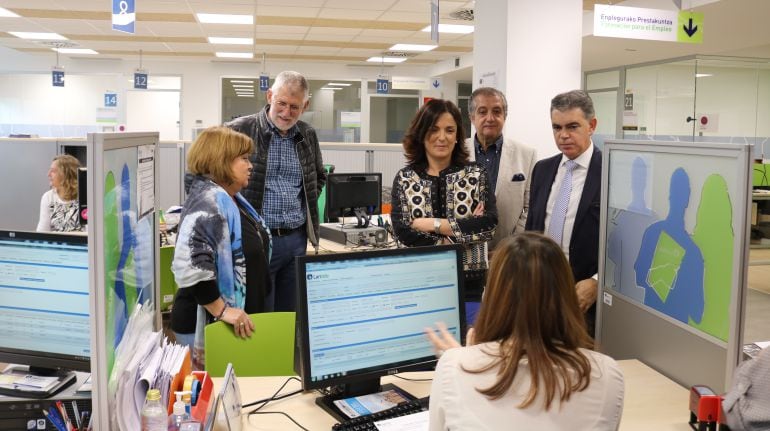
(214, 150)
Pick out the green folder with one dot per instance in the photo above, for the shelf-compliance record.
(269, 351)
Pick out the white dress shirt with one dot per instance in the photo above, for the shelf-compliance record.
(455, 404)
(578, 181)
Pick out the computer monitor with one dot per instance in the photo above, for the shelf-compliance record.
(361, 315)
(44, 304)
(760, 176)
(353, 195)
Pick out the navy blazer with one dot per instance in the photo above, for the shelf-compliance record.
(584, 244)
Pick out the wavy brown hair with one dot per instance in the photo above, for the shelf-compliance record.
(68, 170)
(426, 117)
(531, 308)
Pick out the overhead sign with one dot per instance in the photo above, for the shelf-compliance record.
(383, 86)
(434, 19)
(110, 100)
(264, 82)
(140, 79)
(649, 24)
(411, 83)
(435, 84)
(123, 15)
(57, 77)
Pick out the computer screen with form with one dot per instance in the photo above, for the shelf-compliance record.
(362, 314)
(44, 302)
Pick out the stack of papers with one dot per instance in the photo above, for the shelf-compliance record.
(21, 381)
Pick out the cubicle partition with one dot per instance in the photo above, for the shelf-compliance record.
(122, 249)
(673, 253)
(24, 167)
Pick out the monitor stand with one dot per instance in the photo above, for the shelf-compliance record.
(17, 375)
(349, 390)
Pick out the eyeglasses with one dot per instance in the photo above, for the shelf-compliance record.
(283, 106)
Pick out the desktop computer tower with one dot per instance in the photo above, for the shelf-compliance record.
(354, 236)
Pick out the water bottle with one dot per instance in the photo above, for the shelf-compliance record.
(179, 416)
(153, 414)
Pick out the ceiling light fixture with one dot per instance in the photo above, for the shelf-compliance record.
(75, 51)
(235, 55)
(386, 59)
(703, 75)
(220, 18)
(339, 84)
(5, 13)
(235, 81)
(37, 36)
(245, 95)
(412, 47)
(231, 40)
(331, 88)
(243, 85)
(452, 28)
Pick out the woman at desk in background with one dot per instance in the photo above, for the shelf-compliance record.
(223, 248)
(528, 363)
(442, 197)
(59, 205)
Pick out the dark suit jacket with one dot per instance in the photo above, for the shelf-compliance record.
(584, 244)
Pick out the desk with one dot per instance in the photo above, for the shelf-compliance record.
(652, 401)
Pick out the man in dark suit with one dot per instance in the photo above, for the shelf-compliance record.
(564, 193)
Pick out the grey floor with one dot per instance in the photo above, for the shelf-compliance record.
(757, 322)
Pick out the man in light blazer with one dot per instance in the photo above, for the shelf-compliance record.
(574, 122)
(509, 163)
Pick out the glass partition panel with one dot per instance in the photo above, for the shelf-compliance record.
(605, 106)
(663, 100)
(335, 110)
(601, 80)
(389, 117)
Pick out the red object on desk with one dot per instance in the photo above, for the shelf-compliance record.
(705, 407)
(201, 407)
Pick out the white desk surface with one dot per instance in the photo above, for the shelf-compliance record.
(652, 401)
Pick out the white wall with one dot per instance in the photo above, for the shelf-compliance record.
(201, 93)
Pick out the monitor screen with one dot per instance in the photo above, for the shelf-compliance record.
(361, 315)
(44, 301)
(347, 192)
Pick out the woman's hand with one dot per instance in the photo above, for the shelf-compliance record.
(479, 211)
(242, 324)
(444, 340)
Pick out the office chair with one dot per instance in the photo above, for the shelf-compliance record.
(269, 351)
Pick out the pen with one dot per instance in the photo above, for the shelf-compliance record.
(65, 418)
(77, 415)
(84, 420)
(54, 418)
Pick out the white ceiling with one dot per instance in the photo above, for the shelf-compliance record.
(348, 31)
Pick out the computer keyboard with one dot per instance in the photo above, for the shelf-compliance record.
(363, 423)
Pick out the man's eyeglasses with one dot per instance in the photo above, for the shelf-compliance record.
(283, 106)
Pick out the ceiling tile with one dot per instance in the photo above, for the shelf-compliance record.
(360, 4)
(299, 12)
(349, 14)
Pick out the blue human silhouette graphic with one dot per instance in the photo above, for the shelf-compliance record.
(670, 264)
(625, 238)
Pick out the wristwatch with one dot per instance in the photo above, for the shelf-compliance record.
(437, 226)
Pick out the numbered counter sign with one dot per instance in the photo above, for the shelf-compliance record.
(140, 80)
(57, 77)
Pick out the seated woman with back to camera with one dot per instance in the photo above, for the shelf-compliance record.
(528, 363)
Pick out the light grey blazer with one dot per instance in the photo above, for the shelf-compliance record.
(511, 191)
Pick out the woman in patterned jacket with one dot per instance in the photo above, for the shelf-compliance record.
(223, 248)
(59, 205)
(441, 197)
